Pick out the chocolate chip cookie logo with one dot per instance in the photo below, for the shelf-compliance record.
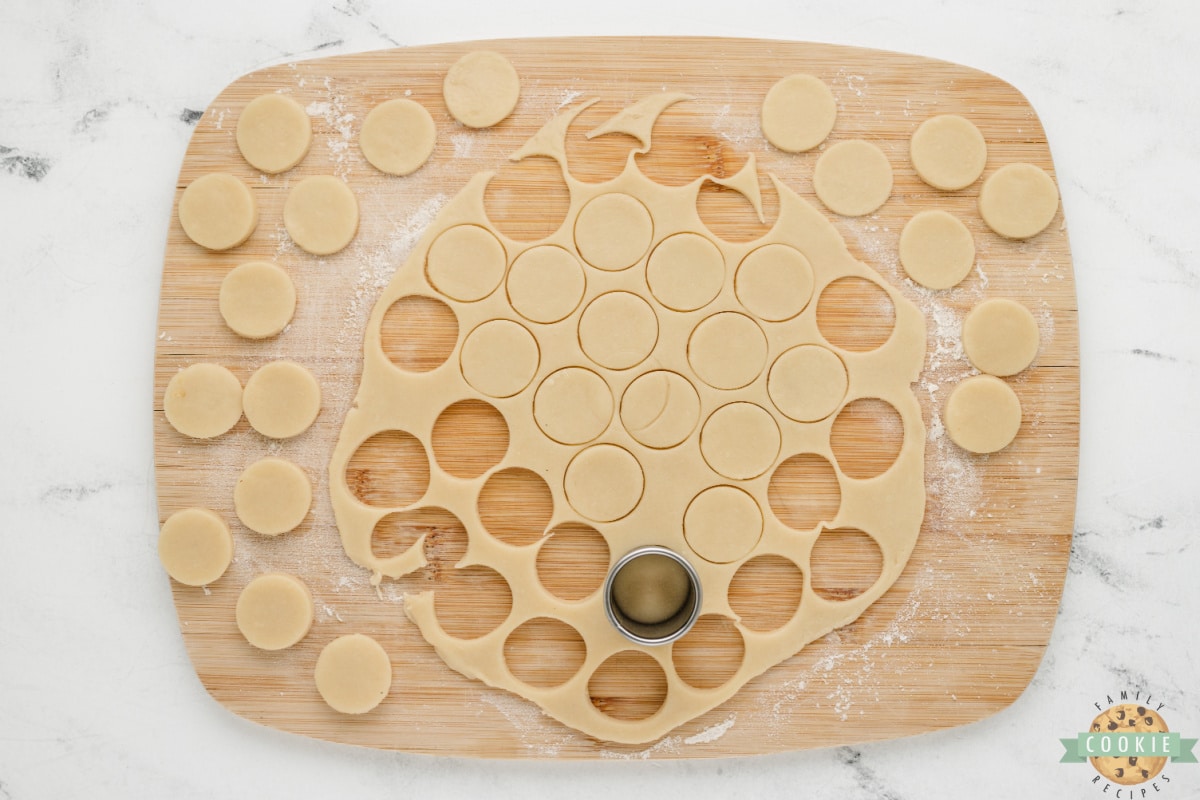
(1129, 744)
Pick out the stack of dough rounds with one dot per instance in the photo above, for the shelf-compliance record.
(481, 89)
(195, 546)
(274, 611)
(274, 133)
(281, 399)
(257, 299)
(203, 401)
(353, 674)
(218, 211)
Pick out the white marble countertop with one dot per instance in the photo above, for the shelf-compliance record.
(97, 696)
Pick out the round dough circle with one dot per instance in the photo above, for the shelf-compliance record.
(660, 409)
(808, 383)
(218, 211)
(651, 588)
(545, 284)
(573, 405)
(274, 133)
(481, 89)
(272, 496)
(321, 214)
(798, 113)
(727, 350)
(1018, 201)
(618, 330)
(1000, 337)
(466, 263)
(740, 441)
(353, 674)
(685, 272)
(853, 178)
(613, 231)
(604, 482)
(774, 282)
(203, 401)
(722, 524)
(281, 399)
(936, 250)
(257, 299)
(195, 546)
(948, 152)
(397, 137)
(983, 414)
(274, 611)
(499, 358)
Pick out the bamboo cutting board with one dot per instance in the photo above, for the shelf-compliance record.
(955, 639)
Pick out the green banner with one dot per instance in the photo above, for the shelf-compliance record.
(1107, 745)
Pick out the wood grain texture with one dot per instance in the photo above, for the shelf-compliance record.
(957, 638)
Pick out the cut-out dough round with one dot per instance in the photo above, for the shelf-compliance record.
(321, 214)
(499, 358)
(195, 546)
(481, 89)
(604, 482)
(685, 272)
(740, 441)
(660, 409)
(723, 524)
(545, 284)
(274, 133)
(948, 152)
(936, 250)
(727, 350)
(398, 136)
(274, 611)
(466, 263)
(618, 330)
(807, 383)
(774, 282)
(218, 211)
(1000, 337)
(573, 405)
(257, 299)
(203, 401)
(613, 231)
(1018, 201)
(983, 414)
(272, 496)
(853, 178)
(281, 399)
(353, 674)
(798, 113)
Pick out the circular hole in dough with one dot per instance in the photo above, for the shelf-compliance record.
(604, 482)
(804, 491)
(257, 299)
(217, 211)
(388, 470)
(573, 405)
(1018, 201)
(573, 561)
(466, 263)
(731, 216)
(936, 250)
(544, 652)
(527, 200)
(481, 89)
(853, 178)
(727, 350)
(1000, 337)
(856, 314)
(798, 113)
(272, 496)
(281, 399)
(722, 524)
(545, 284)
(397, 137)
(396, 533)
(515, 506)
(274, 133)
(628, 686)
(660, 409)
(807, 383)
(321, 214)
(274, 611)
(948, 152)
(353, 674)
(685, 272)
(774, 282)
(499, 358)
(470, 602)
(983, 414)
(866, 438)
(418, 334)
(613, 231)
(844, 563)
(618, 330)
(203, 401)
(765, 592)
(740, 441)
(195, 546)
(469, 438)
(710, 653)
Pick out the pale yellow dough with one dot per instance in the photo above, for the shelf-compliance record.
(257, 299)
(218, 211)
(1018, 201)
(274, 611)
(398, 136)
(545, 284)
(936, 250)
(853, 178)
(740, 441)
(613, 231)
(481, 89)
(573, 405)
(195, 546)
(685, 272)
(321, 214)
(466, 263)
(983, 414)
(774, 282)
(272, 496)
(274, 133)
(660, 409)
(1000, 336)
(808, 383)
(798, 113)
(723, 524)
(203, 401)
(353, 674)
(281, 399)
(948, 152)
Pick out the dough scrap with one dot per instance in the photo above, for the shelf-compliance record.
(1000, 337)
(853, 178)
(983, 414)
(274, 611)
(936, 250)
(321, 214)
(274, 133)
(1018, 201)
(353, 674)
(281, 399)
(203, 401)
(948, 152)
(272, 496)
(217, 211)
(481, 89)
(398, 136)
(798, 113)
(195, 546)
(257, 299)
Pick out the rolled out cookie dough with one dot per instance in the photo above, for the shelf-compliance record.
(853, 178)
(798, 113)
(481, 89)
(218, 211)
(274, 133)
(195, 546)
(353, 674)
(398, 136)
(936, 250)
(203, 401)
(983, 414)
(281, 399)
(685, 272)
(948, 152)
(1018, 201)
(466, 263)
(272, 496)
(321, 214)
(1000, 337)
(274, 611)
(257, 299)
(545, 284)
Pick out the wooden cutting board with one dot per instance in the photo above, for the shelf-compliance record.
(957, 638)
